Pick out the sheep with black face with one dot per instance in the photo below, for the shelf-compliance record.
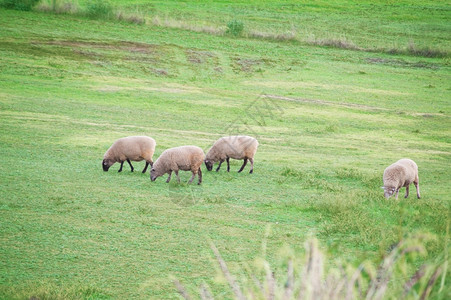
(185, 158)
(236, 147)
(135, 148)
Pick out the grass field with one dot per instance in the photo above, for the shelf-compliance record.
(329, 120)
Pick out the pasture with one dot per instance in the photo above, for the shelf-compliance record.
(329, 118)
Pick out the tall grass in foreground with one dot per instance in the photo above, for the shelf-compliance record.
(307, 278)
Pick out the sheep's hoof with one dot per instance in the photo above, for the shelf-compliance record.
(251, 171)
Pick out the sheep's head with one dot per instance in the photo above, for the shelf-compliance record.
(209, 164)
(106, 164)
(388, 191)
(154, 174)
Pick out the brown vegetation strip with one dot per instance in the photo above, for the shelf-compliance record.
(123, 45)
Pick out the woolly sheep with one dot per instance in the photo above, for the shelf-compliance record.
(236, 147)
(400, 174)
(185, 158)
(135, 148)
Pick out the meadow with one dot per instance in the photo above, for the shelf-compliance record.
(329, 118)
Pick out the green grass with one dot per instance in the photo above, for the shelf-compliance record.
(373, 25)
(335, 118)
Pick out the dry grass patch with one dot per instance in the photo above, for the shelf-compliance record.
(311, 276)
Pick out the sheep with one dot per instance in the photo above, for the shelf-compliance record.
(186, 158)
(400, 174)
(236, 147)
(135, 148)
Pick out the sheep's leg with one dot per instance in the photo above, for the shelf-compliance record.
(252, 165)
(244, 164)
(200, 176)
(169, 177)
(145, 168)
(417, 186)
(178, 177)
(192, 178)
(120, 169)
(407, 192)
(220, 163)
(397, 192)
(131, 167)
(228, 164)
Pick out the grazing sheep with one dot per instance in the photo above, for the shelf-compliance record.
(400, 174)
(134, 148)
(185, 158)
(236, 147)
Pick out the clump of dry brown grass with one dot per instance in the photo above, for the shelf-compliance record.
(180, 24)
(135, 18)
(414, 50)
(285, 36)
(308, 278)
(59, 6)
(343, 43)
(72, 7)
